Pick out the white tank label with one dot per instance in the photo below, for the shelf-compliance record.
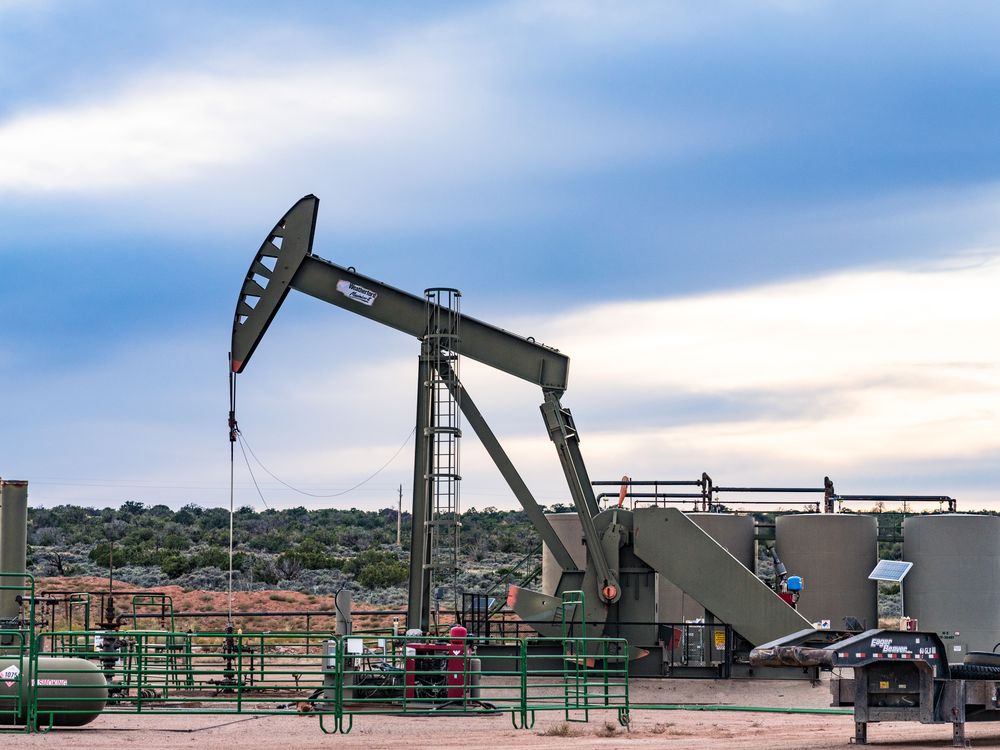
(10, 675)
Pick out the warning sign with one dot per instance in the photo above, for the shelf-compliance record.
(720, 639)
(10, 675)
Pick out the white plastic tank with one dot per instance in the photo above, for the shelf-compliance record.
(834, 553)
(953, 588)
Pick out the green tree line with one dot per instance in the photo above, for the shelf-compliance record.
(268, 546)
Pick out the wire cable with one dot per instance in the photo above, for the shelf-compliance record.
(363, 482)
(253, 478)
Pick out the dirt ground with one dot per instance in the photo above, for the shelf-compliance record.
(675, 729)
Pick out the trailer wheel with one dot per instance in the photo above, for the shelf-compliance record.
(975, 672)
(982, 658)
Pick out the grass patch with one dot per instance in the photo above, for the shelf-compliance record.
(559, 730)
(610, 729)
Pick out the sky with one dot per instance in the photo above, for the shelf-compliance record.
(766, 234)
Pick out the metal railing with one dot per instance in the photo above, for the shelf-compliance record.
(15, 668)
(16, 639)
(168, 672)
(708, 495)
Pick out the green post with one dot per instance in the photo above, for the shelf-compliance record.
(524, 681)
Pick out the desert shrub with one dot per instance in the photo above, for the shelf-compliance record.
(264, 572)
(46, 536)
(311, 555)
(377, 569)
(174, 566)
(288, 567)
(205, 579)
(141, 576)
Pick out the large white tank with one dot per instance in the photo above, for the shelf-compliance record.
(953, 588)
(834, 553)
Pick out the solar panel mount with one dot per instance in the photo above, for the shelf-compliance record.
(890, 570)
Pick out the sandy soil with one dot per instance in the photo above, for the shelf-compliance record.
(675, 729)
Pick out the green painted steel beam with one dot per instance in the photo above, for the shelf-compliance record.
(418, 611)
(676, 547)
(285, 261)
(364, 296)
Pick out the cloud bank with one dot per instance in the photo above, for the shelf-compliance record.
(885, 379)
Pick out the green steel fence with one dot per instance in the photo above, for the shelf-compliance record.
(169, 672)
(15, 660)
(16, 640)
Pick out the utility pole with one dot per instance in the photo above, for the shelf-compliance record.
(399, 519)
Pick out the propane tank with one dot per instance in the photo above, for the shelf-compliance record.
(71, 692)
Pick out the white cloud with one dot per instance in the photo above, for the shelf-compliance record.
(172, 127)
(839, 329)
(887, 380)
(862, 375)
(907, 359)
(440, 104)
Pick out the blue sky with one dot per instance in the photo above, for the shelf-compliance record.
(765, 233)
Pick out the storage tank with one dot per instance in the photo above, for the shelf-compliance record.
(13, 545)
(834, 553)
(953, 588)
(735, 533)
(71, 692)
(570, 532)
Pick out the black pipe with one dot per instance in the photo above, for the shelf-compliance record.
(687, 495)
(291, 613)
(896, 498)
(771, 489)
(648, 483)
(775, 502)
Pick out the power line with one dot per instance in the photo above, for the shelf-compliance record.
(363, 482)
(256, 486)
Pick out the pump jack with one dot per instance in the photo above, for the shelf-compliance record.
(624, 548)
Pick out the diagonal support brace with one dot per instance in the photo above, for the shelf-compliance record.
(562, 432)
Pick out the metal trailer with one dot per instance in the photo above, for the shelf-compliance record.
(898, 676)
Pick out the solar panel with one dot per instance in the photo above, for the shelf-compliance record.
(890, 570)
